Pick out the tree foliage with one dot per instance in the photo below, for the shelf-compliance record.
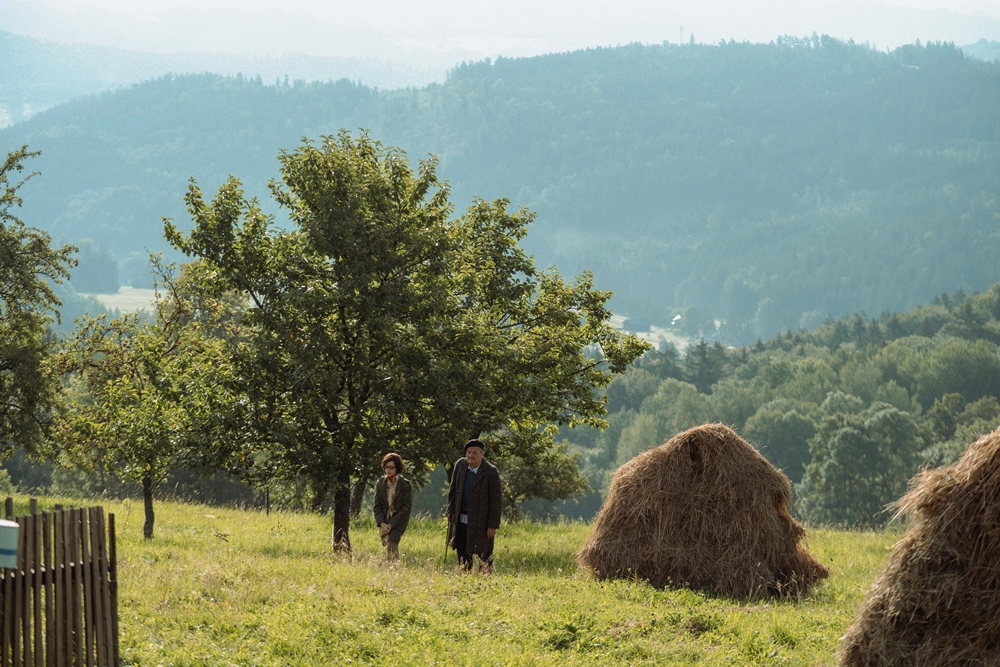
(29, 265)
(783, 429)
(860, 464)
(550, 475)
(378, 322)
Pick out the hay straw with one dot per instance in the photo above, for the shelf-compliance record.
(704, 510)
(938, 600)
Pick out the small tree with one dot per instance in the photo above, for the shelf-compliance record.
(553, 475)
(155, 390)
(704, 364)
(29, 390)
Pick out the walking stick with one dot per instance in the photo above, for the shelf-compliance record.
(447, 542)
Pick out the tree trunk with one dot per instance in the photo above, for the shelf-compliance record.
(342, 513)
(319, 495)
(147, 505)
(356, 497)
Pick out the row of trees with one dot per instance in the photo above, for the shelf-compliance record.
(371, 320)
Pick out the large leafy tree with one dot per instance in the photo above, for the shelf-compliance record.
(861, 463)
(379, 322)
(155, 389)
(781, 429)
(29, 390)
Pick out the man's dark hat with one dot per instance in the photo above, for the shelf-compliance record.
(475, 443)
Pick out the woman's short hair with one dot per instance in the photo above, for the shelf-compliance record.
(395, 458)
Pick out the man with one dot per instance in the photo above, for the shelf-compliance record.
(474, 503)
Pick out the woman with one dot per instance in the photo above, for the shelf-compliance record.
(393, 502)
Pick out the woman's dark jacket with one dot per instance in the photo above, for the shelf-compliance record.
(402, 503)
(485, 503)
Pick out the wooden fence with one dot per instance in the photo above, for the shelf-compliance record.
(59, 606)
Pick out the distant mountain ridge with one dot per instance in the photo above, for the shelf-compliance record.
(763, 187)
(41, 74)
(38, 74)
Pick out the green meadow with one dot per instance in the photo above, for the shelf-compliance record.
(230, 587)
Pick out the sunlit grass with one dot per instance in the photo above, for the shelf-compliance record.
(227, 587)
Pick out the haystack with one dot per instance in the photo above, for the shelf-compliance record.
(704, 510)
(938, 600)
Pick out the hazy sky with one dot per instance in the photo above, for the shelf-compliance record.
(443, 32)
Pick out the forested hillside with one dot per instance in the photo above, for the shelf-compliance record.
(850, 411)
(760, 187)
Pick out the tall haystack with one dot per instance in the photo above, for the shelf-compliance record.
(704, 510)
(938, 600)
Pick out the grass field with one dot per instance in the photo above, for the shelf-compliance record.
(127, 300)
(227, 587)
